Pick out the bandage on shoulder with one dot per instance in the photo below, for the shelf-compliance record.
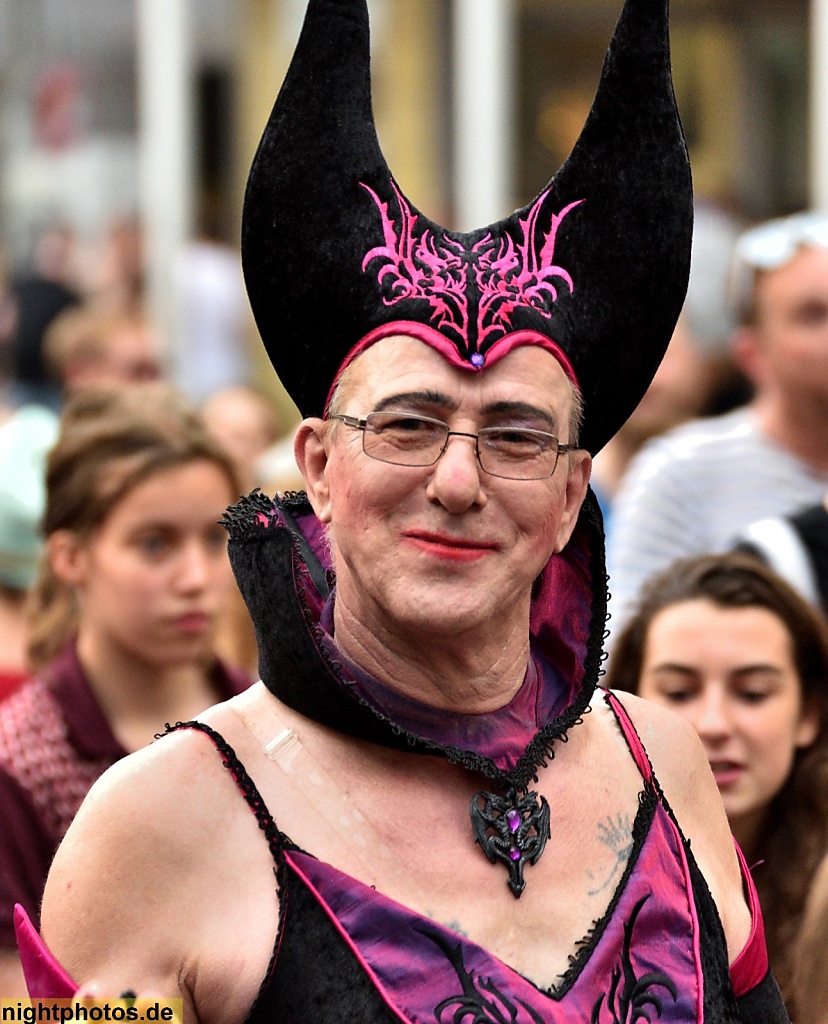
(284, 748)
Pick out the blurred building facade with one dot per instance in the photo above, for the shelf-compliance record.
(741, 78)
(70, 107)
(69, 118)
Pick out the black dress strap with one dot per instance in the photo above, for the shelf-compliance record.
(275, 839)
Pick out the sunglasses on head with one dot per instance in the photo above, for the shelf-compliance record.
(774, 244)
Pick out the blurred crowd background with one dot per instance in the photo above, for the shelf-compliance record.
(126, 131)
(127, 127)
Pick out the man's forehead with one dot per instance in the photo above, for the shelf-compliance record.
(807, 270)
(406, 367)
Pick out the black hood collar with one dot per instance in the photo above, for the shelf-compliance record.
(281, 561)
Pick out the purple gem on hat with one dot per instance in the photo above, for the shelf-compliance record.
(513, 820)
(478, 360)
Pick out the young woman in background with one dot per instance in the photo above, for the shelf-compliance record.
(732, 648)
(133, 580)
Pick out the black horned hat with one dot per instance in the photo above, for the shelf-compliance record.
(595, 269)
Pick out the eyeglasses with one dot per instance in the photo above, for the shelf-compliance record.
(403, 439)
(774, 244)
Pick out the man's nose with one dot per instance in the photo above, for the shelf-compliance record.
(455, 481)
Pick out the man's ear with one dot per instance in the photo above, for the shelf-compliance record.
(310, 449)
(579, 469)
(747, 353)
(68, 557)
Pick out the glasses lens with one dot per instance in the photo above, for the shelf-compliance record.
(518, 454)
(403, 440)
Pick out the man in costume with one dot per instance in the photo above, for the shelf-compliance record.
(701, 486)
(430, 619)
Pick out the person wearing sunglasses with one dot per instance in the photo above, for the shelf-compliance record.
(697, 488)
(430, 616)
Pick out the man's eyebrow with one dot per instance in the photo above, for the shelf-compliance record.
(432, 398)
(440, 400)
(520, 409)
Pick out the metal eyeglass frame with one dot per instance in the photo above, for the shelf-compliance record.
(361, 423)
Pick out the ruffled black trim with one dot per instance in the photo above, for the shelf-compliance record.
(276, 840)
(241, 520)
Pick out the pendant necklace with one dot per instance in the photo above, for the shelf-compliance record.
(512, 829)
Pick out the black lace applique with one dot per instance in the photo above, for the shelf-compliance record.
(630, 999)
(481, 1001)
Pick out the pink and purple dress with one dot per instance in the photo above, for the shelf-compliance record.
(344, 952)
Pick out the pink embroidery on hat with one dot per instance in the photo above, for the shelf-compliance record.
(513, 275)
(427, 267)
(473, 291)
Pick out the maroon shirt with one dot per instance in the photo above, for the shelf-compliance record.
(10, 680)
(54, 743)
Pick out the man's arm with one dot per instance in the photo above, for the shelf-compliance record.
(12, 983)
(111, 911)
(151, 892)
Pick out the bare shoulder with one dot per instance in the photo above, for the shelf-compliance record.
(152, 801)
(667, 738)
(127, 900)
(676, 754)
(681, 767)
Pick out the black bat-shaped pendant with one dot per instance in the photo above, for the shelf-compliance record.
(511, 829)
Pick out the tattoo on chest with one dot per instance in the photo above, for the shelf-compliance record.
(616, 834)
(456, 927)
(454, 924)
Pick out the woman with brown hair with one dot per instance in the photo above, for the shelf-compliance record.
(133, 579)
(732, 648)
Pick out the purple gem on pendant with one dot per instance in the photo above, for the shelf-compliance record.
(514, 853)
(477, 360)
(513, 820)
